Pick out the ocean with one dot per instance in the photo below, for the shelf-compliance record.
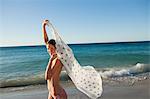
(25, 65)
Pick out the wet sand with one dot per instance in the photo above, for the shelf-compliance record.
(139, 90)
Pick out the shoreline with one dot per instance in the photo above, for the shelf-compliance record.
(139, 90)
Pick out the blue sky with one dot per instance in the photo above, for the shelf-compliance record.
(78, 21)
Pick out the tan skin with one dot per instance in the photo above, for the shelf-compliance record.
(53, 70)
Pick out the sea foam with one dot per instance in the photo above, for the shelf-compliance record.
(130, 71)
(37, 79)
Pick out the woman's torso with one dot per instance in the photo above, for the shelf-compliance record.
(53, 83)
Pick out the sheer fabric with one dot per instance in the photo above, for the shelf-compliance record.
(85, 78)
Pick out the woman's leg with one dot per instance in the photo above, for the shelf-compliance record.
(55, 94)
(63, 94)
(57, 97)
(58, 92)
(50, 96)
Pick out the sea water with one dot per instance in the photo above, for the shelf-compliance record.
(25, 65)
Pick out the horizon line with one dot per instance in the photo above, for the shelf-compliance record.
(82, 43)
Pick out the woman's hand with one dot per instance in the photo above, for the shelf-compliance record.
(45, 22)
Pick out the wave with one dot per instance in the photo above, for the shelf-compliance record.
(22, 81)
(130, 71)
(29, 80)
(104, 72)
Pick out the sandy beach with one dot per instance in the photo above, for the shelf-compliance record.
(139, 90)
(99, 43)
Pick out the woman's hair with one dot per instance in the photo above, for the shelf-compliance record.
(52, 41)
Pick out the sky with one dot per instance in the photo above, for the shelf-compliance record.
(78, 21)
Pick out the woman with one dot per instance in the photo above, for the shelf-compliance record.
(53, 69)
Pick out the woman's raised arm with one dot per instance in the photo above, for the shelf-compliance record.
(44, 31)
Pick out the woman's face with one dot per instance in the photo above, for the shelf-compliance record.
(50, 49)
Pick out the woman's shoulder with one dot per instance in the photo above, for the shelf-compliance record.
(56, 58)
(58, 61)
(53, 57)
